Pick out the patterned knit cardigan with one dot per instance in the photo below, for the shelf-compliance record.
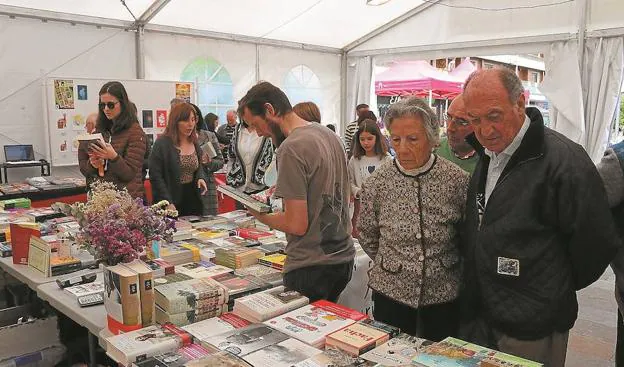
(409, 226)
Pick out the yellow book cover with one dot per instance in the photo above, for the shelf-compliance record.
(121, 295)
(194, 249)
(146, 290)
(39, 256)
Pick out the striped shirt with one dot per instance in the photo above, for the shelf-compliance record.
(349, 133)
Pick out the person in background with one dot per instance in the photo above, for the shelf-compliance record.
(91, 122)
(369, 152)
(175, 167)
(250, 158)
(454, 147)
(411, 210)
(212, 122)
(210, 165)
(175, 101)
(120, 157)
(308, 111)
(331, 127)
(225, 134)
(611, 170)
(314, 185)
(351, 127)
(537, 226)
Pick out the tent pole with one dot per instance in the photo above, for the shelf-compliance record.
(583, 8)
(431, 98)
(257, 63)
(343, 93)
(139, 40)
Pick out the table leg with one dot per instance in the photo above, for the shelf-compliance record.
(93, 343)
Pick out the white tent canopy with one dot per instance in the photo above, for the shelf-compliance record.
(332, 44)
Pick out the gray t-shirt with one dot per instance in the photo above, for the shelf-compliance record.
(312, 166)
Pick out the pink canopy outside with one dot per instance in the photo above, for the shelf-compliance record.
(463, 70)
(416, 78)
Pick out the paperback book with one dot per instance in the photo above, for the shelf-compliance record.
(259, 307)
(218, 325)
(357, 339)
(241, 342)
(284, 354)
(397, 352)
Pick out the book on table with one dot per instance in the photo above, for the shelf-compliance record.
(396, 352)
(259, 307)
(189, 317)
(240, 285)
(146, 290)
(332, 357)
(203, 330)
(249, 339)
(85, 289)
(122, 299)
(202, 269)
(190, 295)
(177, 358)
(147, 342)
(357, 339)
(283, 354)
(244, 199)
(220, 359)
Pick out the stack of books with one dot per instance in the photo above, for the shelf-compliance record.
(175, 254)
(259, 307)
(208, 234)
(275, 261)
(264, 273)
(357, 339)
(184, 230)
(189, 301)
(141, 344)
(237, 257)
(240, 285)
(313, 323)
(255, 234)
(202, 269)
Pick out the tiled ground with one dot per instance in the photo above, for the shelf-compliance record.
(592, 341)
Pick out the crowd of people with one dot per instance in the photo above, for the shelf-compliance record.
(486, 234)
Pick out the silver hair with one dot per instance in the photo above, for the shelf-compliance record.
(418, 108)
(508, 78)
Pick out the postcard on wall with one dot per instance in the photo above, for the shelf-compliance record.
(82, 92)
(61, 123)
(78, 122)
(64, 94)
(75, 145)
(161, 118)
(183, 91)
(63, 146)
(148, 119)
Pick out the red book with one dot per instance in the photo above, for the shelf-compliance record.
(254, 234)
(169, 268)
(234, 320)
(340, 310)
(20, 240)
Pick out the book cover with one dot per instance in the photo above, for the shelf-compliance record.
(332, 357)
(121, 295)
(284, 354)
(238, 285)
(220, 359)
(146, 290)
(357, 339)
(171, 278)
(202, 269)
(146, 342)
(241, 342)
(218, 325)
(39, 256)
(20, 240)
(312, 323)
(6, 250)
(176, 358)
(392, 330)
(397, 352)
(189, 317)
(86, 289)
(268, 304)
(254, 234)
(190, 295)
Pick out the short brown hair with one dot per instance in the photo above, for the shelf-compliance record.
(308, 111)
(369, 126)
(259, 95)
(180, 112)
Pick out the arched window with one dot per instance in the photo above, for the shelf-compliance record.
(213, 86)
(301, 84)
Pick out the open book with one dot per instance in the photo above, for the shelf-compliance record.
(89, 139)
(244, 199)
(208, 149)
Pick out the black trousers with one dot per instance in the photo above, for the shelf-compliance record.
(191, 203)
(321, 281)
(619, 347)
(434, 322)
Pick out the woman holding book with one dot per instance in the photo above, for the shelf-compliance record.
(175, 164)
(119, 157)
(212, 161)
(410, 212)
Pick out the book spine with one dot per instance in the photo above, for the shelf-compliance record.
(147, 298)
(130, 299)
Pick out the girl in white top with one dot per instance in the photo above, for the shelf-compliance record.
(369, 152)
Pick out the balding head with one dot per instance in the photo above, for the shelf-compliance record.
(231, 117)
(458, 127)
(495, 103)
(91, 122)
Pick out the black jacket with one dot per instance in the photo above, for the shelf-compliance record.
(549, 211)
(164, 171)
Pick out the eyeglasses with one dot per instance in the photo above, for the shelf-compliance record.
(110, 105)
(456, 120)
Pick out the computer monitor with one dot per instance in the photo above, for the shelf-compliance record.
(18, 153)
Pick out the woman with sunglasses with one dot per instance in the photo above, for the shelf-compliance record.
(175, 164)
(120, 158)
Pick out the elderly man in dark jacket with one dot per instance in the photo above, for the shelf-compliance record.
(538, 226)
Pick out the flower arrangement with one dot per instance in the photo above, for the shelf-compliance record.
(116, 228)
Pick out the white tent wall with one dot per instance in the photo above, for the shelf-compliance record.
(30, 52)
(440, 25)
(166, 56)
(276, 63)
(604, 15)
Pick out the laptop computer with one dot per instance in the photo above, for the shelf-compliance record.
(19, 154)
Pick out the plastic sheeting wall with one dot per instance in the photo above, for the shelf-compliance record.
(31, 50)
(440, 25)
(276, 63)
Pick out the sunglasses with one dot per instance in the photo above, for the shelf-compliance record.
(110, 105)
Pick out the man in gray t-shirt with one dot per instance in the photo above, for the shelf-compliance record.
(314, 185)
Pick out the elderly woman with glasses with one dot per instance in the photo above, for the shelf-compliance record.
(454, 147)
(410, 212)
